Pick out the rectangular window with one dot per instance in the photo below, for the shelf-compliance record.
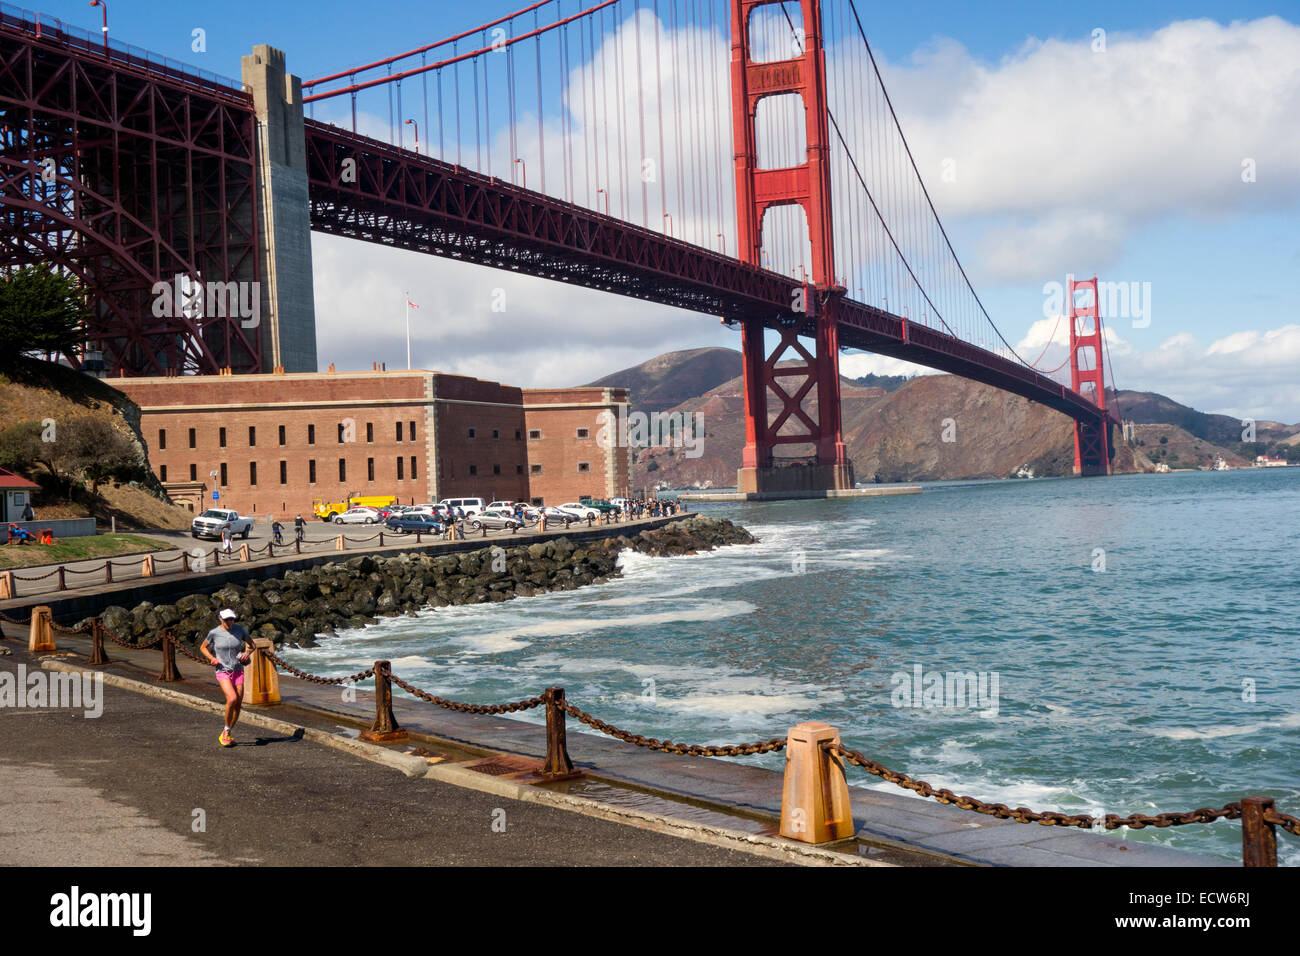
(496, 469)
(342, 433)
(537, 501)
(473, 470)
(194, 472)
(471, 433)
(221, 439)
(584, 467)
(412, 431)
(496, 433)
(162, 439)
(399, 468)
(413, 468)
(284, 472)
(534, 434)
(370, 431)
(193, 439)
(399, 431)
(584, 433)
(534, 469)
(252, 436)
(223, 474)
(343, 469)
(370, 469)
(281, 434)
(252, 474)
(311, 434)
(519, 469)
(311, 471)
(519, 435)
(162, 473)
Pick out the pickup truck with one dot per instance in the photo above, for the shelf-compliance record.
(210, 523)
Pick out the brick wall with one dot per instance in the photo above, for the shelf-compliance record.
(377, 412)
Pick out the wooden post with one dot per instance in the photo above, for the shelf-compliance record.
(558, 766)
(7, 591)
(340, 544)
(297, 546)
(244, 555)
(815, 796)
(108, 572)
(97, 655)
(1258, 836)
(146, 566)
(41, 636)
(262, 688)
(385, 726)
(63, 581)
(170, 673)
(381, 539)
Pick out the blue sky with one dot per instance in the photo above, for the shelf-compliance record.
(1221, 256)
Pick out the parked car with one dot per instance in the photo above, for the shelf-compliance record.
(494, 519)
(210, 523)
(412, 522)
(469, 506)
(600, 504)
(358, 516)
(555, 515)
(578, 510)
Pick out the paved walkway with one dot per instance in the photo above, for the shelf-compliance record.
(127, 787)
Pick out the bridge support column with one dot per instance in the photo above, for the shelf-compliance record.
(814, 311)
(288, 313)
(1092, 440)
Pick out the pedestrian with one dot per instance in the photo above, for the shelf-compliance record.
(299, 528)
(225, 537)
(224, 648)
(28, 513)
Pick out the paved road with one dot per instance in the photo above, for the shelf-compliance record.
(321, 538)
(122, 789)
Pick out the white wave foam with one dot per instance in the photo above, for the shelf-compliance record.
(1224, 730)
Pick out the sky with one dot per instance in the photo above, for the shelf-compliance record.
(1155, 145)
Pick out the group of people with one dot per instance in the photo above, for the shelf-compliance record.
(652, 508)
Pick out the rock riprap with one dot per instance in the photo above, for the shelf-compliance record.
(296, 607)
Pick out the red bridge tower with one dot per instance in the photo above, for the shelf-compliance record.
(1091, 439)
(807, 185)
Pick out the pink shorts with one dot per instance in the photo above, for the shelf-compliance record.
(235, 677)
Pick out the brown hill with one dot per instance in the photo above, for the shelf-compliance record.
(672, 378)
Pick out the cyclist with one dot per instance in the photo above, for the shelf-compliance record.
(276, 532)
(299, 528)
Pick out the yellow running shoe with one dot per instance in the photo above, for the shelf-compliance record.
(226, 739)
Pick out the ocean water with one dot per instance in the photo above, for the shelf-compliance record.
(1143, 632)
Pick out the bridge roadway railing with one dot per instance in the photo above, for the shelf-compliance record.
(815, 803)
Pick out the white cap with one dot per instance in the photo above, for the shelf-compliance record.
(227, 615)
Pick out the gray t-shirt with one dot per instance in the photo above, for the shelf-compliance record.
(226, 645)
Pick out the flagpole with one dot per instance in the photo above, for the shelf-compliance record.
(408, 330)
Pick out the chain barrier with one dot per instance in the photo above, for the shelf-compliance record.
(184, 649)
(1047, 818)
(82, 628)
(41, 577)
(127, 644)
(668, 746)
(1284, 820)
(463, 708)
(303, 675)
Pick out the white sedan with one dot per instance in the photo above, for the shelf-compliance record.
(358, 516)
(578, 510)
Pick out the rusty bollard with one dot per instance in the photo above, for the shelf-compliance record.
(63, 581)
(262, 687)
(108, 572)
(40, 637)
(97, 655)
(169, 674)
(815, 798)
(385, 727)
(1258, 836)
(558, 766)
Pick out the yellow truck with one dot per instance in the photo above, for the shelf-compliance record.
(326, 510)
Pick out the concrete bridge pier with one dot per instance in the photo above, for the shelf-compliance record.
(288, 312)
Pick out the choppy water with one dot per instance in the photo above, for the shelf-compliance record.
(1123, 690)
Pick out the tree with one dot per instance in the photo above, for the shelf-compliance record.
(97, 451)
(41, 309)
(20, 446)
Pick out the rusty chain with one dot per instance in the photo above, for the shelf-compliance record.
(463, 708)
(127, 644)
(313, 678)
(13, 620)
(1284, 820)
(668, 746)
(1047, 818)
(39, 577)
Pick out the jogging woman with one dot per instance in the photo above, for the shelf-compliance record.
(224, 647)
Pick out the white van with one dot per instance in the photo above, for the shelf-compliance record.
(470, 506)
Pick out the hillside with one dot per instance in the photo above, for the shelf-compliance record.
(895, 428)
(34, 391)
(674, 377)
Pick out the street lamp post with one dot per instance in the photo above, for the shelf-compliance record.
(523, 168)
(412, 122)
(724, 242)
(669, 217)
(104, 7)
(606, 192)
